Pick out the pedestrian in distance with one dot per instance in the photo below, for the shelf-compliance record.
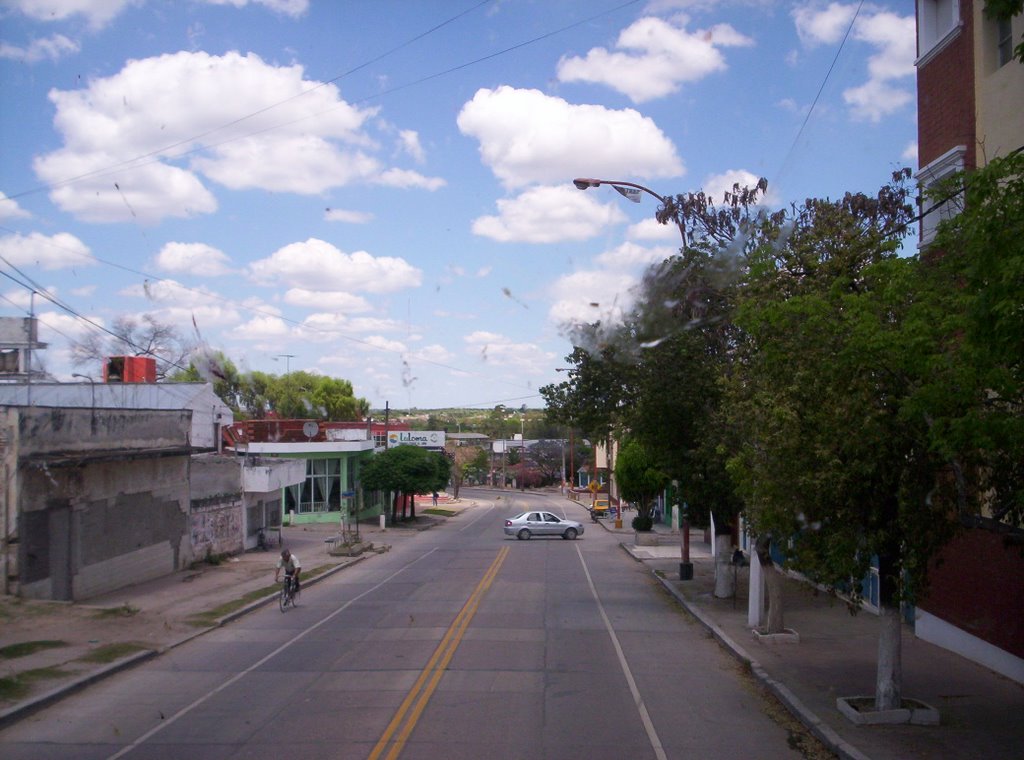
(434, 496)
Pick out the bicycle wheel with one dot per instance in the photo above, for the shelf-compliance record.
(284, 596)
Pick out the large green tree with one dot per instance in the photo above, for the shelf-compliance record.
(407, 470)
(640, 481)
(833, 451)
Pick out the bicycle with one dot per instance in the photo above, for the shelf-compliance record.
(289, 593)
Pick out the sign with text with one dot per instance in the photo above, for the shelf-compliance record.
(427, 439)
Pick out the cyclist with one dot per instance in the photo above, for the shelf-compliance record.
(291, 565)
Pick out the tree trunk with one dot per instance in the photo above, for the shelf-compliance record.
(725, 578)
(888, 681)
(412, 506)
(773, 582)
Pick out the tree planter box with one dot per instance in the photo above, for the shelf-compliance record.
(645, 538)
(787, 636)
(860, 711)
(349, 550)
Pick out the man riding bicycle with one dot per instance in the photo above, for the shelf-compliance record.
(291, 566)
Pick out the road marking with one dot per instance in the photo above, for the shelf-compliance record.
(429, 678)
(645, 717)
(238, 676)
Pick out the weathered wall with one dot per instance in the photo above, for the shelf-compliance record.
(102, 498)
(216, 517)
(94, 527)
(52, 432)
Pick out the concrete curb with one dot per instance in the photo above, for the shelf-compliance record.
(18, 712)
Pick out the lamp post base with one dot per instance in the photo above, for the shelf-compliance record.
(686, 571)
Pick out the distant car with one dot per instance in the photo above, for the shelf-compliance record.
(537, 523)
(599, 508)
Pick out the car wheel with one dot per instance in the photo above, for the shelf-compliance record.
(570, 534)
(523, 535)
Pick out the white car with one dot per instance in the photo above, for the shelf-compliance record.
(537, 523)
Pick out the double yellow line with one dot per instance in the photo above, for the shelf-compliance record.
(415, 702)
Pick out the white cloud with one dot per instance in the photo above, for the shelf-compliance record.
(630, 255)
(717, 185)
(501, 351)
(317, 265)
(49, 48)
(97, 12)
(822, 26)
(409, 178)
(301, 137)
(652, 229)
(409, 140)
(548, 215)
(588, 296)
(59, 251)
(894, 39)
(262, 328)
(194, 258)
(327, 325)
(338, 300)
(286, 7)
(528, 137)
(654, 58)
(11, 210)
(910, 153)
(345, 215)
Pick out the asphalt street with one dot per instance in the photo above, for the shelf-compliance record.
(461, 643)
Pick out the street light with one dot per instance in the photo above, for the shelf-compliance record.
(584, 183)
(92, 386)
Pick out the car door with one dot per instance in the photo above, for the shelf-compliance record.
(552, 525)
(535, 523)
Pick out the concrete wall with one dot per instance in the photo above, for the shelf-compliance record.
(216, 515)
(97, 526)
(99, 499)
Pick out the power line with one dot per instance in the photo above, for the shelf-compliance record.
(155, 156)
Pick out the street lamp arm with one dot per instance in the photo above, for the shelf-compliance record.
(583, 183)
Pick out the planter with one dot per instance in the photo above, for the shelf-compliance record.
(861, 711)
(645, 538)
(350, 550)
(787, 636)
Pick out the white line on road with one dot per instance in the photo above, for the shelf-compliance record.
(645, 718)
(238, 676)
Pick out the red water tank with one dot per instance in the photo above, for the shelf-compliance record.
(129, 369)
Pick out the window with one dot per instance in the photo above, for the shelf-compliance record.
(1004, 42)
(944, 166)
(938, 21)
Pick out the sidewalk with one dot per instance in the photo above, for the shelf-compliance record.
(982, 713)
(116, 631)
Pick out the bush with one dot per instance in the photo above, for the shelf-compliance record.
(643, 522)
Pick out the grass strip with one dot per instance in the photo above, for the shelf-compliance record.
(211, 616)
(111, 652)
(17, 686)
(25, 648)
(440, 512)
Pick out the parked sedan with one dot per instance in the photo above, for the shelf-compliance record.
(537, 523)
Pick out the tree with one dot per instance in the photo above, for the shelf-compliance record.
(546, 457)
(834, 453)
(974, 403)
(406, 470)
(136, 336)
(639, 480)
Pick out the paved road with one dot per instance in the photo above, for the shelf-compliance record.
(460, 644)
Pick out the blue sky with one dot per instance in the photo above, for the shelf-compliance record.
(382, 191)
